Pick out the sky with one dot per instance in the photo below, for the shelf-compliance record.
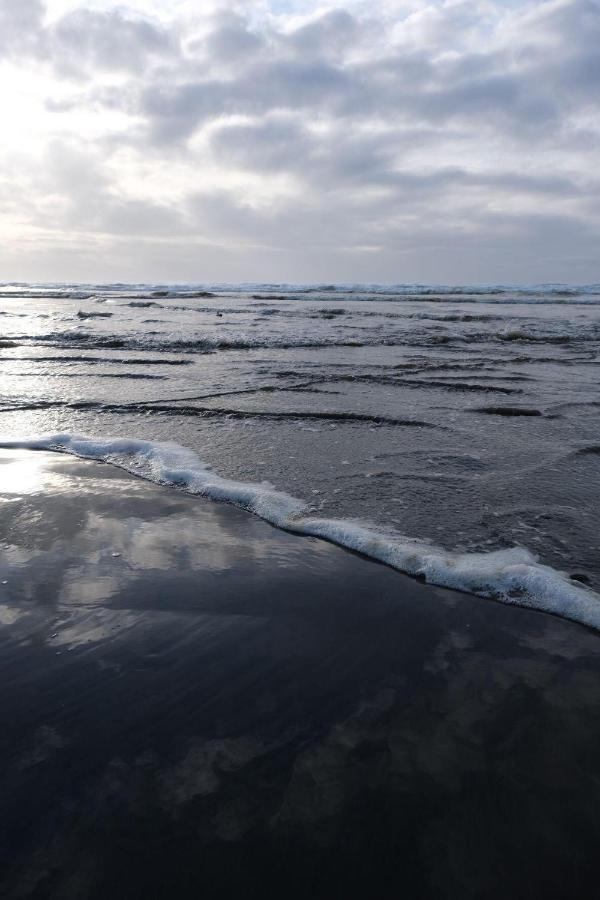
(300, 141)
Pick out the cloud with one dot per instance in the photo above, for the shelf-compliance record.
(362, 140)
(230, 40)
(106, 40)
(20, 26)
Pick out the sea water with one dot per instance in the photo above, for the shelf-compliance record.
(451, 432)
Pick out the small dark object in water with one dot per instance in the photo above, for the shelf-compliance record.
(580, 576)
(508, 411)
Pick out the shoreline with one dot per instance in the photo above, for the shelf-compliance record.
(513, 576)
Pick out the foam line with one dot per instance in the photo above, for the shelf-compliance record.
(513, 576)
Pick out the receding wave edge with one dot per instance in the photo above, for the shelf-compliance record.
(513, 576)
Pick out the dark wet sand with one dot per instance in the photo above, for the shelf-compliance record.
(227, 711)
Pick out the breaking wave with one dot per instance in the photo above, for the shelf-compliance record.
(83, 340)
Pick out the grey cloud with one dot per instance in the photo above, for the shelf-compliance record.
(483, 246)
(228, 240)
(20, 26)
(558, 42)
(306, 70)
(501, 99)
(281, 227)
(106, 40)
(327, 36)
(230, 40)
(81, 197)
(276, 144)
(407, 87)
(83, 39)
(268, 145)
(175, 111)
(78, 194)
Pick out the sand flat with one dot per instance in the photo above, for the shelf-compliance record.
(196, 704)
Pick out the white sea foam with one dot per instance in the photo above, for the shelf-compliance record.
(512, 576)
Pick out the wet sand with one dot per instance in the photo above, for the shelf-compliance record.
(195, 704)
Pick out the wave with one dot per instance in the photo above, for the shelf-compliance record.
(143, 304)
(513, 576)
(453, 317)
(142, 376)
(157, 342)
(48, 293)
(84, 340)
(500, 292)
(200, 294)
(170, 409)
(426, 290)
(401, 381)
(93, 360)
(583, 333)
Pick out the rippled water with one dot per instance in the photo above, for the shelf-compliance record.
(468, 418)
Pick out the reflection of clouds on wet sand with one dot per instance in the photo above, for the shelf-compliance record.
(148, 545)
(447, 758)
(202, 769)
(44, 743)
(9, 614)
(90, 532)
(559, 642)
(92, 626)
(407, 739)
(381, 718)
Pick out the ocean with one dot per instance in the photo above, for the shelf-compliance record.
(451, 432)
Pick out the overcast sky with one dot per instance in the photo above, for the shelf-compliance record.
(279, 140)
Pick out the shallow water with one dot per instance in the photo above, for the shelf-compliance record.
(465, 418)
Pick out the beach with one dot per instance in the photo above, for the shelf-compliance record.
(196, 703)
(299, 450)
